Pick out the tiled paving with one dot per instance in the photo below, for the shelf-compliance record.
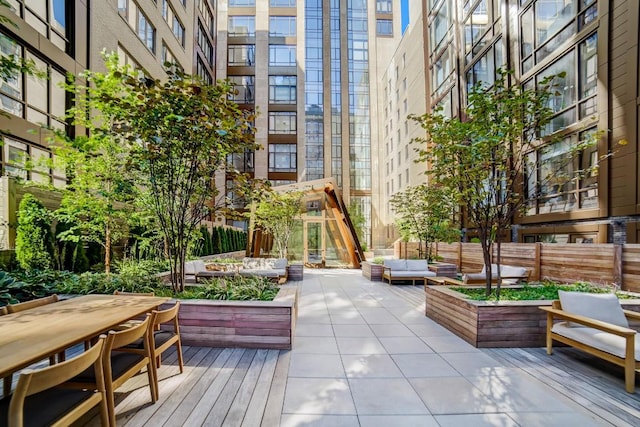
(365, 355)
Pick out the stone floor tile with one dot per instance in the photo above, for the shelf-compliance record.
(360, 346)
(452, 395)
(318, 396)
(378, 316)
(423, 366)
(347, 318)
(370, 366)
(397, 421)
(315, 345)
(472, 363)
(477, 420)
(319, 421)
(313, 330)
(558, 419)
(404, 345)
(429, 328)
(356, 331)
(316, 366)
(391, 330)
(385, 397)
(449, 344)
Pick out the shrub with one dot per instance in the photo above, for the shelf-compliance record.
(13, 291)
(34, 240)
(378, 260)
(237, 288)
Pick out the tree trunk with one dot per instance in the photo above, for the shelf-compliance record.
(499, 279)
(107, 249)
(486, 256)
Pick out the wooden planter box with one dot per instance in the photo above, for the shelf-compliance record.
(492, 324)
(372, 271)
(443, 269)
(245, 324)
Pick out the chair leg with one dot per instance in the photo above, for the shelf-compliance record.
(6, 384)
(104, 410)
(180, 360)
(111, 405)
(153, 381)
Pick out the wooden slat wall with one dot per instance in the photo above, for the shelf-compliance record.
(631, 267)
(449, 252)
(567, 263)
(472, 260)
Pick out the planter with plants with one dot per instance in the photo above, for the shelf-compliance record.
(372, 270)
(250, 312)
(513, 321)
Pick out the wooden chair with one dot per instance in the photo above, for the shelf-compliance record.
(14, 308)
(119, 366)
(162, 339)
(22, 306)
(42, 399)
(3, 311)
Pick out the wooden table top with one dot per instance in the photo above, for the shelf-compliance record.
(32, 335)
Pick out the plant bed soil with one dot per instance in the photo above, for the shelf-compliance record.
(492, 324)
(245, 324)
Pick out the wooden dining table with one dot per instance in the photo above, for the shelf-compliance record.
(32, 335)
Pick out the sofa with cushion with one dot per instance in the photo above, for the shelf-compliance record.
(596, 324)
(406, 269)
(509, 274)
(274, 268)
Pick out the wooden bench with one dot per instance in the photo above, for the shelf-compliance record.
(617, 345)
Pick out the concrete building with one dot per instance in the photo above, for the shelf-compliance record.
(67, 37)
(310, 69)
(596, 44)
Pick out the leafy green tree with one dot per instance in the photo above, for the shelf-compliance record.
(426, 213)
(182, 132)
(276, 214)
(359, 222)
(481, 161)
(34, 239)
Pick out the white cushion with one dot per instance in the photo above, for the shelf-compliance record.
(398, 274)
(396, 264)
(604, 341)
(511, 271)
(603, 307)
(280, 263)
(417, 264)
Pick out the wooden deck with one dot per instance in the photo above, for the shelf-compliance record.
(246, 387)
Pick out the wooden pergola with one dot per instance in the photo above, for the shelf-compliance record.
(328, 235)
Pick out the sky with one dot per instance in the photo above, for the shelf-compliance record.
(404, 13)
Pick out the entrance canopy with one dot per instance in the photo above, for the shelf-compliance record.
(324, 236)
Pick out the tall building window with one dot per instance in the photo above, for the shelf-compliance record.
(169, 58)
(384, 6)
(282, 26)
(282, 89)
(440, 25)
(384, 27)
(38, 100)
(546, 24)
(202, 71)
(146, 32)
(207, 16)
(48, 17)
(281, 122)
(242, 3)
(15, 156)
(282, 3)
(204, 44)
(484, 70)
(174, 23)
(575, 92)
(242, 26)
(241, 55)
(283, 157)
(550, 184)
(245, 89)
(282, 55)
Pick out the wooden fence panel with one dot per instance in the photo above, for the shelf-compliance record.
(631, 268)
(448, 252)
(570, 262)
(472, 261)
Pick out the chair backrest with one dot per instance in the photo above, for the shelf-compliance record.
(14, 308)
(34, 381)
(139, 294)
(117, 339)
(159, 317)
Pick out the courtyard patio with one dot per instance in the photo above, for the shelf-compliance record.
(365, 355)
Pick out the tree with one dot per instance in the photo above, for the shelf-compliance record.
(359, 222)
(425, 212)
(34, 239)
(182, 132)
(482, 161)
(276, 214)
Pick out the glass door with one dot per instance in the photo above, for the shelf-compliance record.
(314, 243)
